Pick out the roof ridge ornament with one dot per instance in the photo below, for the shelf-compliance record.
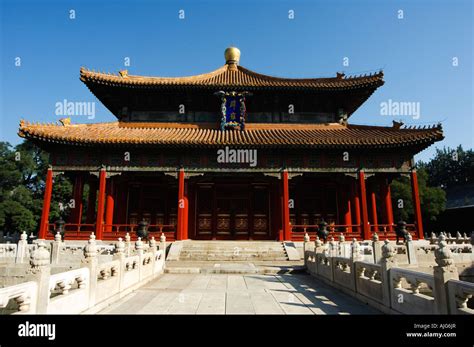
(232, 56)
(397, 125)
(65, 121)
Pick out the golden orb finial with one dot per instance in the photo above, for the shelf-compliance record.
(232, 55)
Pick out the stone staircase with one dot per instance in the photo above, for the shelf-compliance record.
(232, 251)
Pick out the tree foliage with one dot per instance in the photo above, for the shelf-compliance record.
(22, 183)
(432, 199)
(450, 168)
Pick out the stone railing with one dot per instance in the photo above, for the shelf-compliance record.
(69, 291)
(87, 289)
(16, 253)
(422, 252)
(8, 252)
(412, 292)
(389, 288)
(20, 298)
(451, 240)
(409, 252)
(343, 272)
(368, 282)
(460, 292)
(69, 252)
(324, 266)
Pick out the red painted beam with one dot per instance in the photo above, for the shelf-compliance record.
(286, 208)
(100, 204)
(48, 189)
(363, 205)
(416, 204)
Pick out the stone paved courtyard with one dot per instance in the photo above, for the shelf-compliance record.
(237, 294)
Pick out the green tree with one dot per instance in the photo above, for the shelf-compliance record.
(14, 217)
(60, 199)
(432, 200)
(450, 168)
(22, 183)
(10, 176)
(401, 199)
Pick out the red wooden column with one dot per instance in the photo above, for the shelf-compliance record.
(416, 204)
(100, 204)
(346, 195)
(363, 205)
(373, 200)
(181, 233)
(109, 205)
(48, 190)
(91, 200)
(281, 236)
(387, 199)
(285, 206)
(76, 215)
(184, 233)
(356, 203)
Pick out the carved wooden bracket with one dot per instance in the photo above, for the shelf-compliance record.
(172, 174)
(272, 174)
(353, 175)
(192, 174)
(292, 175)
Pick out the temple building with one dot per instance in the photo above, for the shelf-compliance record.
(230, 155)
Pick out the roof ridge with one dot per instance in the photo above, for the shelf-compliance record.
(339, 137)
(405, 127)
(84, 71)
(250, 126)
(234, 75)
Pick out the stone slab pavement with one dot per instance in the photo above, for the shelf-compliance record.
(237, 294)
(234, 267)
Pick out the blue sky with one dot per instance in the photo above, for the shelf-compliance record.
(416, 52)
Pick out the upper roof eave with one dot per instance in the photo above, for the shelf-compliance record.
(232, 76)
(262, 135)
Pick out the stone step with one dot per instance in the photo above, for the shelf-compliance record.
(248, 256)
(231, 257)
(234, 246)
(233, 250)
(229, 251)
(218, 258)
(218, 242)
(237, 270)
